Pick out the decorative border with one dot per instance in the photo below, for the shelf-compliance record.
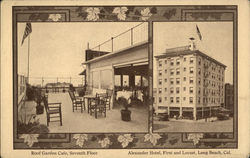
(125, 14)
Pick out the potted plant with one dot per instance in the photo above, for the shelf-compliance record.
(30, 92)
(125, 113)
(81, 92)
(39, 107)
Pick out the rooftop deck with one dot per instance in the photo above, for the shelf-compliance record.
(76, 122)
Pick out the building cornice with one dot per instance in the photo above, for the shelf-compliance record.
(180, 51)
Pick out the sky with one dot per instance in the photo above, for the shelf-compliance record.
(217, 40)
(58, 49)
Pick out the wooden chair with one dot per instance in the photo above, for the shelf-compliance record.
(98, 105)
(108, 97)
(76, 101)
(53, 110)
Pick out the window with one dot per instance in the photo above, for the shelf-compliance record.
(191, 89)
(199, 81)
(171, 81)
(191, 70)
(191, 80)
(177, 61)
(177, 99)
(159, 90)
(166, 89)
(191, 60)
(166, 62)
(172, 62)
(160, 63)
(184, 88)
(199, 100)
(171, 71)
(199, 71)
(171, 99)
(177, 80)
(184, 69)
(199, 91)
(191, 100)
(171, 90)
(159, 99)
(184, 78)
(160, 72)
(166, 80)
(117, 80)
(96, 79)
(160, 81)
(165, 98)
(184, 59)
(199, 62)
(166, 71)
(184, 98)
(177, 71)
(177, 90)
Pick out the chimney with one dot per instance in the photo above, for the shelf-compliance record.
(192, 45)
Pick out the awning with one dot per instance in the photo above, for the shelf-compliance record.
(83, 73)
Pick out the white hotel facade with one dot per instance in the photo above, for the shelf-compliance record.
(190, 84)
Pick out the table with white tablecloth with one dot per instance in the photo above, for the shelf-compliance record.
(130, 94)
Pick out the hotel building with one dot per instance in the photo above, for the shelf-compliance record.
(190, 84)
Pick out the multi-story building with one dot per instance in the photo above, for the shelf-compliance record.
(229, 97)
(190, 84)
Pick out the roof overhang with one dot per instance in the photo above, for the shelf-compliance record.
(114, 53)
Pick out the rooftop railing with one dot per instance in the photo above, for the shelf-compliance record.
(134, 35)
(60, 81)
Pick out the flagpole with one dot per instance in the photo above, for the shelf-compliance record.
(28, 58)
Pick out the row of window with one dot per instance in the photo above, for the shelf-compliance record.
(191, 90)
(191, 80)
(205, 100)
(177, 61)
(191, 71)
(219, 69)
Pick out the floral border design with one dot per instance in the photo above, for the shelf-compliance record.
(123, 13)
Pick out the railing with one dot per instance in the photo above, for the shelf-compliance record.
(134, 35)
(58, 89)
(61, 81)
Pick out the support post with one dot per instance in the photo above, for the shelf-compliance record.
(202, 112)
(194, 113)
(180, 111)
(112, 44)
(131, 36)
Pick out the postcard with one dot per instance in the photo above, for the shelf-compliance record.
(130, 79)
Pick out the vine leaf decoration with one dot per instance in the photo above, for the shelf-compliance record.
(146, 14)
(152, 137)
(195, 137)
(121, 12)
(105, 142)
(125, 139)
(93, 14)
(80, 139)
(55, 17)
(30, 139)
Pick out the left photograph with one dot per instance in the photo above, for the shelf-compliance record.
(88, 77)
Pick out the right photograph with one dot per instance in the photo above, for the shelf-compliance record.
(193, 86)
